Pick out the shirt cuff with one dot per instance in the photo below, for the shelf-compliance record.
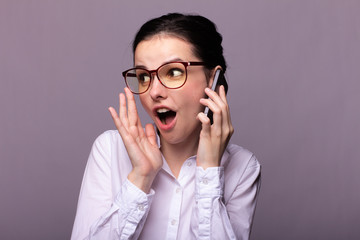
(134, 202)
(209, 182)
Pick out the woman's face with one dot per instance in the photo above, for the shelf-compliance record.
(174, 111)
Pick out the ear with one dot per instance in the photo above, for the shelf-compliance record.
(212, 75)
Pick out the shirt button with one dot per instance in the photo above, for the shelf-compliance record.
(188, 164)
(141, 207)
(178, 190)
(205, 181)
(173, 222)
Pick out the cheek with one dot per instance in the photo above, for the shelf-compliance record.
(192, 97)
(195, 90)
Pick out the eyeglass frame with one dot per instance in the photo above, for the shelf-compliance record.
(156, 71)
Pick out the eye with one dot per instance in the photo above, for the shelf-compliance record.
(175, 73)
(143, 78)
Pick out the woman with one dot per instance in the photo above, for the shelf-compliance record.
(179, 179)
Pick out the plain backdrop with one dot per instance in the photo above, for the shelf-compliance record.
(294, 97)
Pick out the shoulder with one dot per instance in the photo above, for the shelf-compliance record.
(106, 144)
(108, 151)
(237, 160)
(107, 140)
(237, 155)
(236, 150)
(108, 136)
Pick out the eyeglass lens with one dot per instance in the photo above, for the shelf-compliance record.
(172, 75)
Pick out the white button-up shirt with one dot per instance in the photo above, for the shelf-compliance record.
(216, 203)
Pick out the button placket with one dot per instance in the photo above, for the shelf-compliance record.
(175, 210)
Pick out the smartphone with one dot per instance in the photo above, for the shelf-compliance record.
(218, 78)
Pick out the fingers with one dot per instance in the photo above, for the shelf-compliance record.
(132, 111)
(114, 115)
(222, 95)
(117, 121)
(122, 110)
(217, 114)
(128, 120)
(134, 120)
(218, 100)
(150, 134)
(131, 118)
(228, 116)
(217, 103)
(206, 125)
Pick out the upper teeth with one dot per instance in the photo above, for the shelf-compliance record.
(162, 110)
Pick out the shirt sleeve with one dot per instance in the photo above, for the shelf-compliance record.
(215, 220)
(100, 214)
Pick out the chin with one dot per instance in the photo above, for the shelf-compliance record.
(178, 136)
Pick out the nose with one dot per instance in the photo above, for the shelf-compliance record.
(157, 90)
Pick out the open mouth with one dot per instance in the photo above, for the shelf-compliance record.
(165, 115)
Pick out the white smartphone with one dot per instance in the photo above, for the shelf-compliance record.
(215, 82)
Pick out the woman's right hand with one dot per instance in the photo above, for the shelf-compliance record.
(141, 145)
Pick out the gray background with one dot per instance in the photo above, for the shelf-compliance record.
(294, 95)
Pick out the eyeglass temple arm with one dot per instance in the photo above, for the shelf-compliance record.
(196, 63)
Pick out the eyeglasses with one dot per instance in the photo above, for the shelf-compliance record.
(171, 75)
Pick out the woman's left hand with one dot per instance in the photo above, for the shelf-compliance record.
(214, 138)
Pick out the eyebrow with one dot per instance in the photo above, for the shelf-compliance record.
(172, 60)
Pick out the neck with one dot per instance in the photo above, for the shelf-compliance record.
(176, 154)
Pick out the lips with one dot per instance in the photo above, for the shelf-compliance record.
(165, 117)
